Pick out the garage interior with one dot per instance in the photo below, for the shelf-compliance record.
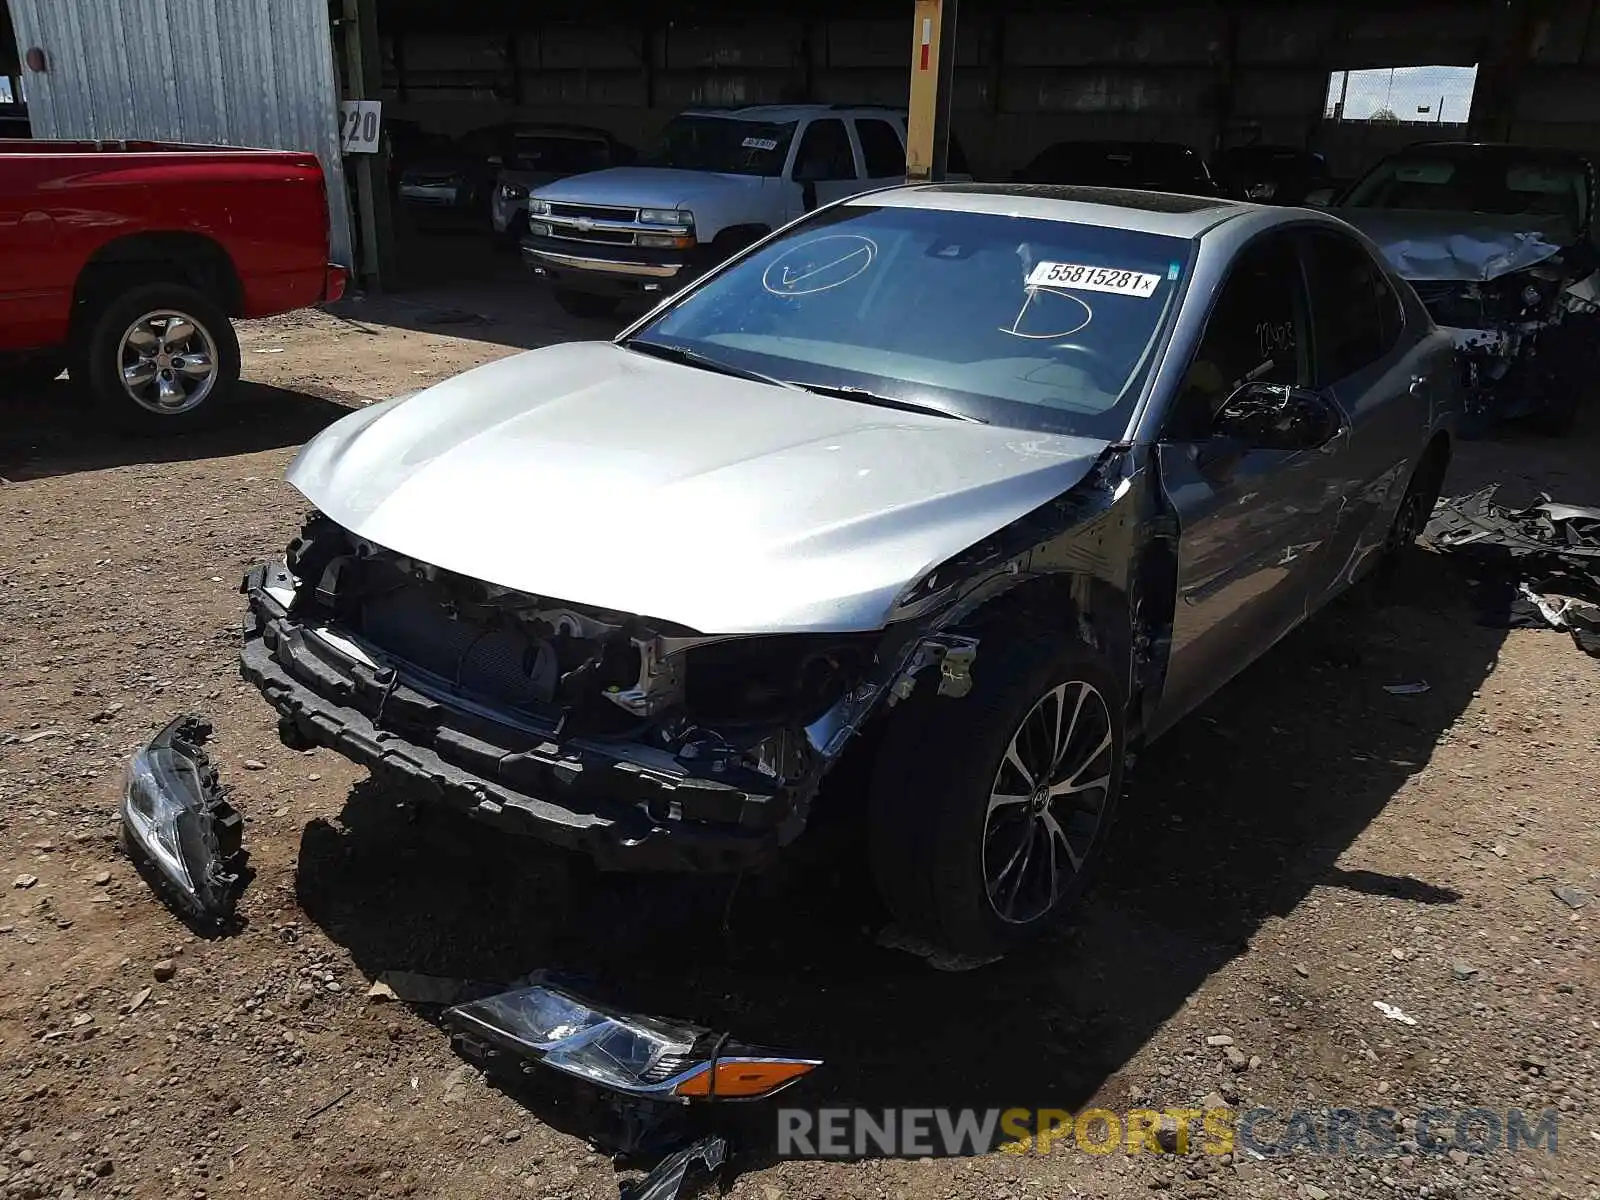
(1026, 75)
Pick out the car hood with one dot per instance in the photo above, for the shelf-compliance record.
(1458, 246)
(600, 476)
(644, 187)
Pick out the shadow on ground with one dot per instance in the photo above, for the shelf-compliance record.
(1232, 819)
(52, 431)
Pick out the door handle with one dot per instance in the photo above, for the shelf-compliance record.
(1420, 386)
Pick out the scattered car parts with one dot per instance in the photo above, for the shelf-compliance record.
(178, 827)
(1537, 566)
(640, 1056)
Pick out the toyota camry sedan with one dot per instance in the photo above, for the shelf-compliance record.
(989, 483)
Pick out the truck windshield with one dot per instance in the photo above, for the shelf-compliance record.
(693, 142)
(1553, 190)
(1017, 321)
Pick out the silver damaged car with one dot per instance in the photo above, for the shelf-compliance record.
(991, 484)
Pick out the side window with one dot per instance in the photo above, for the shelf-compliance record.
(884, 156)
(825, 153)
(1356, 315)
(1256, 333)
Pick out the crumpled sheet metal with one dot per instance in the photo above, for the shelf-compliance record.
(1563, 535)
(1536, 565)
(1466, 247)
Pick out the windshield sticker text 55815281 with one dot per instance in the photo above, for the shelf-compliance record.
(1094, 279)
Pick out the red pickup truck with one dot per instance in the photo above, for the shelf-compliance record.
(123, 262)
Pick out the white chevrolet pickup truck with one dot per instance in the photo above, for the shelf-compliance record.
(717, 180)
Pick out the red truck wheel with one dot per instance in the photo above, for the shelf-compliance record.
(161, 358)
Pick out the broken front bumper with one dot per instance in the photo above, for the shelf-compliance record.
(629, 806)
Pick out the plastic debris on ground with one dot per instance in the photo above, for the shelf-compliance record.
(892, 937)
(1420, 688)
(1393, 1012)
(1535, 568)
(681, 1174)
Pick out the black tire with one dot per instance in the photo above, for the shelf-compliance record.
(585, 304)
(1416, 505)
(22, 376)
(941, 760)
(98, 364)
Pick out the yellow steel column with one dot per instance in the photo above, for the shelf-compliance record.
(933, 42)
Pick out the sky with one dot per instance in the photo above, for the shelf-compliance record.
(1405, 90)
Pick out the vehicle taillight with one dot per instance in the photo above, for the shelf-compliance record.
(334, 283)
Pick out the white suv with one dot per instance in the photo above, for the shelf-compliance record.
(716, 181)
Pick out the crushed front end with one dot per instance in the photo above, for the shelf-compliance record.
(644, 745)
(1527, 342)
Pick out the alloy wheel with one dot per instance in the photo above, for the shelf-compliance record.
(1048, 802)
(168, 362)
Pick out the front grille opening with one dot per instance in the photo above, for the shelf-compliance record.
(596, 212)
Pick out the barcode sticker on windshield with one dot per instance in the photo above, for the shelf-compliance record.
(760, 143)
(1094, 279)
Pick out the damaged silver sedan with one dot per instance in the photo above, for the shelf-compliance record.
(993, 483)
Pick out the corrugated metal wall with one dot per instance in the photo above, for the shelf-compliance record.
(233, 72)
(1027, 73)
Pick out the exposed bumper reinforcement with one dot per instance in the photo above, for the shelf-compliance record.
(598, 799)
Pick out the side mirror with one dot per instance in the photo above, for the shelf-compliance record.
(1276, 416)
(1320, 197)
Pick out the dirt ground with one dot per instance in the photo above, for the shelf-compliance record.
(1306, 845)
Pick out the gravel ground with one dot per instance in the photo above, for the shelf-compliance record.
(1306, 845)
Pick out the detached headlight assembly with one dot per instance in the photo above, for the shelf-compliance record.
(538, 207)
(636, 1055)
(177, 826)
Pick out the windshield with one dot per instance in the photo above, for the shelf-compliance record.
(1495, 184)
(704, 143)
(556, 154)
(1018, 321)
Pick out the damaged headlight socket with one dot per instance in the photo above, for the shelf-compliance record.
(640, 1056)
(178, 827)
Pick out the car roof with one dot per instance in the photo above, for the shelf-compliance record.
(1120, 146)
(1491, 149)
(1111, 208)
(554, 129)
(792, 112)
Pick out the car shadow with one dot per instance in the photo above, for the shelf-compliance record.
(50, 430)
(1237, 816)
(517, 312)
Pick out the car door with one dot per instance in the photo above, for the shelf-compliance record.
(1253, 518)
(1364, 360)
(35, 274)
(825, 164)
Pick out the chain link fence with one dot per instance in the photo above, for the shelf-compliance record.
(1422, 95)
